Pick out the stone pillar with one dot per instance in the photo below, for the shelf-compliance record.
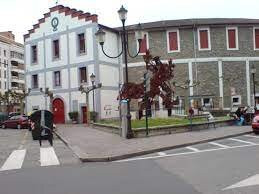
(124, 120)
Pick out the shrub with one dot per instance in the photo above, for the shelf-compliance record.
(73, 115)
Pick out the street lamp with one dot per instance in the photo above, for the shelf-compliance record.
(87, 90)
(253, 71)
(92, 78)
(100, 34)
(49, 93)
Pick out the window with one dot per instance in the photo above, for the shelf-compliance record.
(83, 76)
(256, 38)
(173, 42)
(232, 38)
(81, 43)
(144, 44)
(35, 81)
(5, 53)
(5, 85)
(204, 39)
(206, 101)
(34, 54)
(56, 49)
(5, 74)
(57, 81)
(236, 100)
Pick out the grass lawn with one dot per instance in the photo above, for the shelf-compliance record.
(152, 122)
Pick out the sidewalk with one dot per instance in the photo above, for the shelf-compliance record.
(92, 145)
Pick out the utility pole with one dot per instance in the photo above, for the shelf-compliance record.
(146, 90)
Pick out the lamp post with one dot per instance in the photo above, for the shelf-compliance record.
(124, 38)
(49, 93)
(253, 71)
(92, 78)
(87, 90)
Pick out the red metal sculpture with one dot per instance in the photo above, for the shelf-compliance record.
(162, 74)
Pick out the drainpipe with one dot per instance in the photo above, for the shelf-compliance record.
(195, 55)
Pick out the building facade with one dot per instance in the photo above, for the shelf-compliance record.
(61, 52)
(215, 55)
(218, 54)
(12, 68)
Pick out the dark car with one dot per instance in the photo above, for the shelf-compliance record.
(18, 122)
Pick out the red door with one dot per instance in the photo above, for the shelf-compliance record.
(84, 113)
(58, 111)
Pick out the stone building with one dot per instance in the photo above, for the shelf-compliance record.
(11, 66)
(216, 53)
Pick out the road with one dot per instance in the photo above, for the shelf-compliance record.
(228, 166)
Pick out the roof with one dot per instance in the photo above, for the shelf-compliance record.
(9, 41)
(68, 11)
(193, 22)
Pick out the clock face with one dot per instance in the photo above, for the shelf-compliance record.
(54, 23)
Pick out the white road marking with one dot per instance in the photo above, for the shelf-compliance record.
(252, 136)
(48, 157)
(218, 144)
(193, 149)
(251, 181)
(242, 141)
(161, 153)
(14, 161)
(184, 153)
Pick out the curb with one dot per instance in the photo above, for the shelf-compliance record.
(126, 156)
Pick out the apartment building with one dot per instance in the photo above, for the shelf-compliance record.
(11, 66)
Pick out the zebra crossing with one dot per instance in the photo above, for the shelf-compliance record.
(16, 159)
(19, 151)
(223, 144)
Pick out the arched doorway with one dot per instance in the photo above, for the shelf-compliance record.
(58, 111)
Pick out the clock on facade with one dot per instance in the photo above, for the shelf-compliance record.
(54, 23)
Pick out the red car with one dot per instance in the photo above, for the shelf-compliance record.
(19, 122)
(255, 124)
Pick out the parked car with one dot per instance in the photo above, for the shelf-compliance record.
(255, 124)
(11, 114)
(3, 117)
(19, 122)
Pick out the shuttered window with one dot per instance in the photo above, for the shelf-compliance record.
(204, 40)
(173, 41)
(232, 38)
(143, 45)
(256, 38)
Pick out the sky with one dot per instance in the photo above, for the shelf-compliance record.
(19, 15)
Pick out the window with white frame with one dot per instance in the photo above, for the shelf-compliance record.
(236, 100)
(34, 54)
(56, 53)
(81, 43)
(173, 41)
(144, 46)
(206, 101)
(232, 38)
(204, 39)
(57, 79)
(256, 38)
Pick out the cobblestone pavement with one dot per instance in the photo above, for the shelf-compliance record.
(18, 150)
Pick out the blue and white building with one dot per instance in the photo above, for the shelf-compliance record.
(61, 52)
